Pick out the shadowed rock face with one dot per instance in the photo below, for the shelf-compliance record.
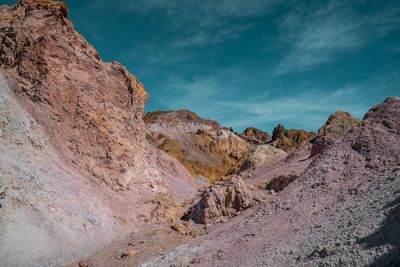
(92, 109)
(280, 182)
(202, 146)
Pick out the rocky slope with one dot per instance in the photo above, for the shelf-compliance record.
(75, 169)
(92, 110)
(202, 146)
(340, 211)
(207, 149)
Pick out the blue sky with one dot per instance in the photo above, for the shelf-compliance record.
(252, 63)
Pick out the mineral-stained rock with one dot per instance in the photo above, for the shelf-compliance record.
(263, 154)
(338, 124)
(289, 140)
(255, 136)
(381, 123)
(223, 198)
(202, 146)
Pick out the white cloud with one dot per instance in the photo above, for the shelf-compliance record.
(308, 109)
(316, 35)
(204, 22)
(212, 37)
(224, 98)
(206, 13)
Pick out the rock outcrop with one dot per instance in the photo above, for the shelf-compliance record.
(75, 169)
(224, 198)
(289, 140)
(263, 154)
(202, 146)
(255, 136)
(91, 109)
(337, 125)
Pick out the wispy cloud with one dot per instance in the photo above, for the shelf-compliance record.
(307, 109)
(204, 22)
(212, 37)
(205, 14)
(225, 99)
(321, 33)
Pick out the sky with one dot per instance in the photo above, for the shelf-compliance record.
(253, 63)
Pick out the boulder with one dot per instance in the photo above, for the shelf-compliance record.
(222, 199)
(263, 154)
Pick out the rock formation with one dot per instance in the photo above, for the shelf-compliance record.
(289, 140)
(202, 146)
(338, 124)
(75, 173)
(263, 154)
(340, 211)
(255, 136)
(91, 109)
(222, 199)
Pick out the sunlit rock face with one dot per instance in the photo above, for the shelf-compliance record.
(91, 109)
(202, 146)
